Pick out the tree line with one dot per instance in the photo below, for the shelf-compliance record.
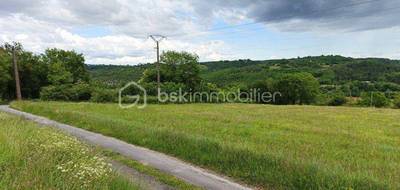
(38, 74)
(60, 74)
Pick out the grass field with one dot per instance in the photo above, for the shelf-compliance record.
(42, 158)
(278, 147)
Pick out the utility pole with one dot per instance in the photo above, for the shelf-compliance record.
(158, 39)
(16, 74)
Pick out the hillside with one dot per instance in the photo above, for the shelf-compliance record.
(114, 75)
(328, 69)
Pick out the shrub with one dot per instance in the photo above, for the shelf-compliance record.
(104, 95)
(397, 102)
(66, 92)
(298, 88)
(376, 99)
(55, 93)
(80, 92)
(169, 87)
(337, 100)
(322, 99)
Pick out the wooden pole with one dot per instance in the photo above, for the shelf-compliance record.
(158, 69)
(16, 75)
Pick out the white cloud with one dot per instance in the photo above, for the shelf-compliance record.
(41, 24)
(110, 49)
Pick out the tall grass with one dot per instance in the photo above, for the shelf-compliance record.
(42, 158)
(280, 147)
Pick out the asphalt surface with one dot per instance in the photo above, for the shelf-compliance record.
(180, 169)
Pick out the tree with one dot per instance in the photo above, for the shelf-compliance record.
(176, 67)
(33, 74)
(393, 77)
(298, 88)
(376, 99)
(14, 50)
(59, 75)
(5, 76)
(338, 99)
(73, 62)
(261, 87)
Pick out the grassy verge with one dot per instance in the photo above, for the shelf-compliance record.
(158, 175)
(281, 147)
(41, 158)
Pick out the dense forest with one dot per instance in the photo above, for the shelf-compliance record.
(58, 74)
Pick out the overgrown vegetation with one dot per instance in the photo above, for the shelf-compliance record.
(33, 157)
(282, 147)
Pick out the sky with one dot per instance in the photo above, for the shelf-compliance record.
(117, 31)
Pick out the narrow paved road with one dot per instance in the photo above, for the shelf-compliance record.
(191, 174)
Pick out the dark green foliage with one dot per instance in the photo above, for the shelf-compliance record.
(5, 75)
(261, 87)
(32, 72)
(113, 76)
(58, 74)
(176, 67)
(55, 93)
(247, 71)
(393, 77)
(352, 75)
(169, 87)
(81, 91)
(72, 62)
(180, 70)
(104, 95)
(66, 92)
(376, 99)
(396, 101)
(55, 67)
(338, 99)
(299, 88)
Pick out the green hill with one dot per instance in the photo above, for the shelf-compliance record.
(330, 70)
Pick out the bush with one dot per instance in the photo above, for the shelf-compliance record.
(104, 95)
(322, 99)
(66, 92)
(338, 100)
(169, 87)
(298, 88)
(55, 93)
(80, 92)
(376, 99)
(397, 102)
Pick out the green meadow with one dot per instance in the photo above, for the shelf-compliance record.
(265, 146)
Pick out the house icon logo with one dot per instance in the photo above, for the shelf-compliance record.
(127, 99)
